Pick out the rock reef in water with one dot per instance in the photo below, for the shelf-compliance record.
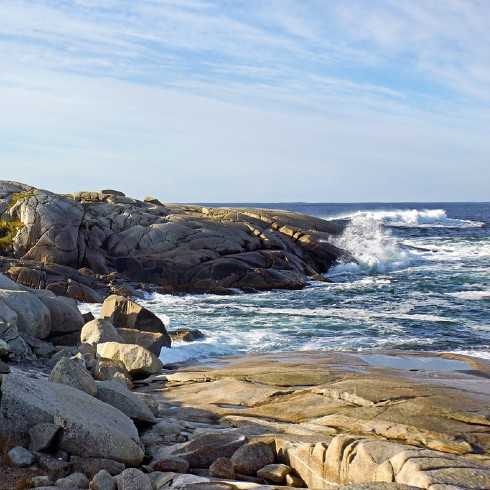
(85, 245)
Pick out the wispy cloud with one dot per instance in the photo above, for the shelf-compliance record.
(239, 86)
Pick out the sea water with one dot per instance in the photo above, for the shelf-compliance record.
(421, 281)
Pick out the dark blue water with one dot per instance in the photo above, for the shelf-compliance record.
(421, 282)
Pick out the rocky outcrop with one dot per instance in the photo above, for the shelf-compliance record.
(76, 245)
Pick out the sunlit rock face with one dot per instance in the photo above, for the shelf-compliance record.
(180, 248)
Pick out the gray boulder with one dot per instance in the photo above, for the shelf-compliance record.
(132, 479)
(152, 341)
(42, 436)
(99, 331)
(75, 480)
(72, 372)
(91, 428)
(92, 466)
(20, 457)
(7, 283)
(33, 317)
(125, 313)
(119, 396)
(276, 473)
(64, 312)
(137, 360)
(17, 345)
(252, 456)
(103, 480)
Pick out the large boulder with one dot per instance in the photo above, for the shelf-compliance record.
(64, 312)
(33, 317)
(72, 372)
(125, 400)
(137, 360)
(100, 331)
(152, 341)
(90, 427)
(125, 313)
(252, 456)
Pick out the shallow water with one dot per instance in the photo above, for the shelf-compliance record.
(421, 282)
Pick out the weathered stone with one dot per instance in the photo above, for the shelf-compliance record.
(33, 317)
(183, 248)
(253, 455)
(124, 313)
(120, 397)
(75, 480)
(90, 427)
(64, 313)
(103, 481)
(55, 468)
(92, 466)
(20, 457)
(204, 449)
(42, 436)
(106, 369)
(160, 479)
(133, 478)
(10, 334)
(40, 481)
(294, 481)
(177, 465)
(276, 473)
(136, 359)
(222, 468)
(39, 347)
(72, 372)
(152, 341)
(99, 331)
(186, 334)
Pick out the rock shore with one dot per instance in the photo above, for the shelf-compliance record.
(106, 413)
(91, 403)
(87, 245)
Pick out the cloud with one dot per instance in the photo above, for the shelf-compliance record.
(247, 100)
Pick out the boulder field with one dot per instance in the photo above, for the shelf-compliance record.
(87, 245)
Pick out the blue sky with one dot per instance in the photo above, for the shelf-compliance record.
(253, 100)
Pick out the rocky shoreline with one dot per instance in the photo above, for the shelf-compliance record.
(106, 413)
(88, 245)
(90, 402)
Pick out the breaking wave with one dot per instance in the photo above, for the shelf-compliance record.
(413, 218)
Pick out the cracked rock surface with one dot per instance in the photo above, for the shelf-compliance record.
(337, 419)
(78, 244)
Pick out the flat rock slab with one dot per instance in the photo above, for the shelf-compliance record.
(340, 418)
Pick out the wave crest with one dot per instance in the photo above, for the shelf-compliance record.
(413, 218)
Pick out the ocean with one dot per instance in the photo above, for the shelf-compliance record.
(421, 282)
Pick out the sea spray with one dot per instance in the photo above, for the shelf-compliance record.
(372, 245)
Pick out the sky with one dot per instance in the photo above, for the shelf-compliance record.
(248, 100)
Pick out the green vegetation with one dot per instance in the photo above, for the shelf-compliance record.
(17, 197)
(8, 230)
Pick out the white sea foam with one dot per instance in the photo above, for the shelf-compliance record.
(373, 247)
(413, 218)
(471, 295)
